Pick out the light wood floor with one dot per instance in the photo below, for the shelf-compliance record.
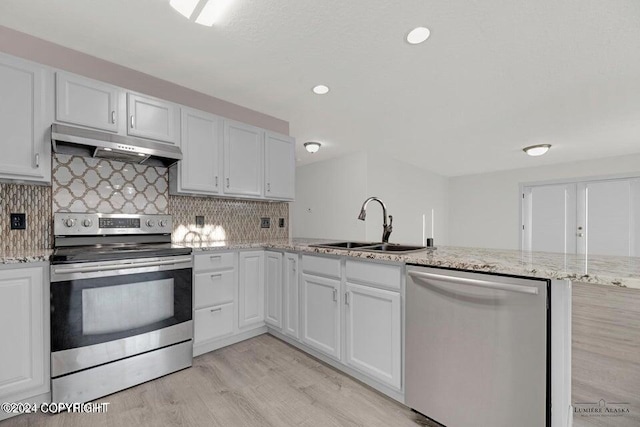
(259, 382)
(606, 351)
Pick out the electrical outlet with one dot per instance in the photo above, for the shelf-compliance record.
(265, 222)
(199, 221)
(281, 223)
(18, 221)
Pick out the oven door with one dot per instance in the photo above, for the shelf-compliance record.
(102, 312)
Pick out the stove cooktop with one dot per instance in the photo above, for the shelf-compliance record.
(94, 253)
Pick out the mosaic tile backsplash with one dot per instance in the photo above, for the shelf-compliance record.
(224, 219)
(35, 202)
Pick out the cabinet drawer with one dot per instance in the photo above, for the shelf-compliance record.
(323, 266)
(214, 288)
(214, 261)
(213, 322)
(388, 276)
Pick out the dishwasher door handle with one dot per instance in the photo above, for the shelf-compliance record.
(475, 282)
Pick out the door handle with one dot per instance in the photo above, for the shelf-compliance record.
(216, 276)
(475, 282)
(132, 121)
(216, 181)
(228, 183)
(347, 299)
(113, 117)
(37, 159)
(213, 310)
(335, 294)
(269, 187)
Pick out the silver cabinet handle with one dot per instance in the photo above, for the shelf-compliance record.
(216, 181)
(213, 310)
(212, 257)
(335, 294)
(347, 300)
(128, 265)
(216, 276)
(475, 282)
(132, 122)
(227, 182)
(37, 160)
(113, 117)
(269, 187)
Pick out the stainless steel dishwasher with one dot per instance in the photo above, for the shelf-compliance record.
(477, 348)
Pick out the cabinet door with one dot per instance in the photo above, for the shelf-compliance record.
(201, 144)
(153, 118)
(243, 159)
(279, 167)
(291, 315)
(251, 288)
(373, 332)
(24, 357)
(86, 102)
(321, 314)
(273, 289)
(24, 144)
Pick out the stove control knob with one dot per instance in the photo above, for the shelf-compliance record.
(163, 223)
(87, 222)
(150, 223)
(69, 222)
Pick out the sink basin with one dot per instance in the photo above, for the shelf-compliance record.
(346, 245)
(390, 247)
(372, 247)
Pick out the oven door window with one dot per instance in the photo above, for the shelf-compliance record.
(97, 310)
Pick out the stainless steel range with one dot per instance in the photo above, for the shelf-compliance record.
(121, 304)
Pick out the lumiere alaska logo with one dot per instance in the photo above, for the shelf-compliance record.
(601, 408)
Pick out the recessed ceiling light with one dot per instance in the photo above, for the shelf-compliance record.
(321, 89)
(537, 150)
(418, 35)
(312, 146)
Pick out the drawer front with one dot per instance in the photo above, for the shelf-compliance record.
(214, 261)
(323, 266)
(213, 322)
(214, 288)
(388, 276)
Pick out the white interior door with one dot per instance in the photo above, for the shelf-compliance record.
(549, 214)
(605, 214)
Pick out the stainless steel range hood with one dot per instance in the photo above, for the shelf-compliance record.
(93, 143)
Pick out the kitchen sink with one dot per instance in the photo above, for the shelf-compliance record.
(372, 247)
(346, 245)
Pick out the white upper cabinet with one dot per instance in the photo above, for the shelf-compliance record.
(25, 89)
(243, 159)
(86, 102)
(153, 118)
(279, 167)
(200, 171)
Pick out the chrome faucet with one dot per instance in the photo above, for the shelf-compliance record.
(386, 228)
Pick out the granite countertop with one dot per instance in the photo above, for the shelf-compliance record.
(16, 256)
(604, 270)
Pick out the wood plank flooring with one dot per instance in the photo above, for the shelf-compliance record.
(258, 382)
(606, 351)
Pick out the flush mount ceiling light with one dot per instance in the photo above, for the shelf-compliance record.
(312, 147)
(418, 35)
(203, 12)
(320, 89)
(537, 150)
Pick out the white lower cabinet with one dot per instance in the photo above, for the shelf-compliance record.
(251, 289)
(373, 332)
(291, 296)
(24, 314)
(273, 289)
(213, 322)
(321, 314)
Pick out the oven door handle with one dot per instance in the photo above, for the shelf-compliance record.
(121, 266)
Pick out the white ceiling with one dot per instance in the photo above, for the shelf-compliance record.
(495, 75)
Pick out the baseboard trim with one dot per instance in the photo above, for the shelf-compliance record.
(41, 398)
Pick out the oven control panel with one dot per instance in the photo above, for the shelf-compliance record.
(95, 224)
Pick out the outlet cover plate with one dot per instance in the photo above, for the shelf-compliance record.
(281, 222)
(265, 222)
(18, 221)
(199, 221)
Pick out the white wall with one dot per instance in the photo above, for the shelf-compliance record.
(328, 198)
(409, 193)
(484, 209)
(329, 195)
